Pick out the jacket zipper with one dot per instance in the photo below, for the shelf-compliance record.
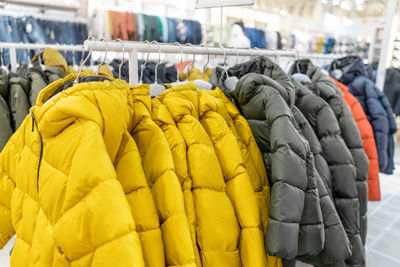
(41, 148)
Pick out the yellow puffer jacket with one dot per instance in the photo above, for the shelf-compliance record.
(251, 155)
(159, 168)
(177, 145)
(59, 189)
(220, 217)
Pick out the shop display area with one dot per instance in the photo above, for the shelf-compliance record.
(149, 133)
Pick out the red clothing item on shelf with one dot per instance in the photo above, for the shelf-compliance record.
(368, 139)
(124, 25)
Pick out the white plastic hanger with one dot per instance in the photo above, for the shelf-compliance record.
(123, 57)
(230, 82)
(177, 70)
(84, 61)
(156, 88)
(203, 84)
(144, 63)
(104, 58)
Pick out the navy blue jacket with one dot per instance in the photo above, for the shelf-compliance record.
(351, 72)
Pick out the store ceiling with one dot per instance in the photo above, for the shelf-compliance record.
(362, 10)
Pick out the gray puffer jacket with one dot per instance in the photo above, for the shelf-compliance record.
(326, 88)
(266, 104)
(337, 245)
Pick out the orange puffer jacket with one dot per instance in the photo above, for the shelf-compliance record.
(368, 139)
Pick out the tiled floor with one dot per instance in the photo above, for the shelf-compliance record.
(383, 239)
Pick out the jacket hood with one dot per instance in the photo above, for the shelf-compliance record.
(258, 65)
(51, 57)
(348, 68)
(252, 84)
(106, 103)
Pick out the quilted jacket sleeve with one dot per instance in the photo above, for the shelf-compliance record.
(238, 185)
(128, 165)
(94, 225)
(273, 127)
(167, 193)
(7, 168)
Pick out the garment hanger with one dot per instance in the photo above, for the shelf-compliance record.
(144, 63)
(104, 58)
(156, 88)
(230, 82)
(73, 61)
(191, 64)
(123, 57)
(203, 84)
(84, 61)
(177, 71)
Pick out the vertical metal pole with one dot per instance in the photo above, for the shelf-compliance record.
(220, 27)
(13, 59)
(384, 55)
(133, 68)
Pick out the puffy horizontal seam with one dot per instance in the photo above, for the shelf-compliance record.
(2, 206)
(207, 188)
(293, 150)
(151, 229)
(103, 244)
(281, 221)
(311, 224)
(135, 189)
(236, 175)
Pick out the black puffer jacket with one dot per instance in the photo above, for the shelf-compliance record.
(274, 98)
(337, 246)
(341, 164)
(328, 90)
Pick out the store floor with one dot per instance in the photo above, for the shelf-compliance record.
(383, 239)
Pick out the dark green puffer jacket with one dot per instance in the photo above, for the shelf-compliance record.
(18, 99)
(5, 123)
(38, 82)
(337, 245)
(267, 103)
(326, 88)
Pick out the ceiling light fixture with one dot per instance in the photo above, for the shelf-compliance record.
(283, 12)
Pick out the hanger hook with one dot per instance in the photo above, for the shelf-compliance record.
(65, 51)
(208, 60)
(86, 59)
(123, 57)
(180, 62)
(158, 62)
(237, 55)
(192, 64)
(145, 62)
(104, 58)
(224, 66)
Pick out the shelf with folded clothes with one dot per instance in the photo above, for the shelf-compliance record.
(140, 27)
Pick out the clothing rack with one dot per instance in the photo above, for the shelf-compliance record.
(134, 47)
(26, 46)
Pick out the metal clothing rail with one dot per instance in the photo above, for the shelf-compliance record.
(26, 46)
(134, 47)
